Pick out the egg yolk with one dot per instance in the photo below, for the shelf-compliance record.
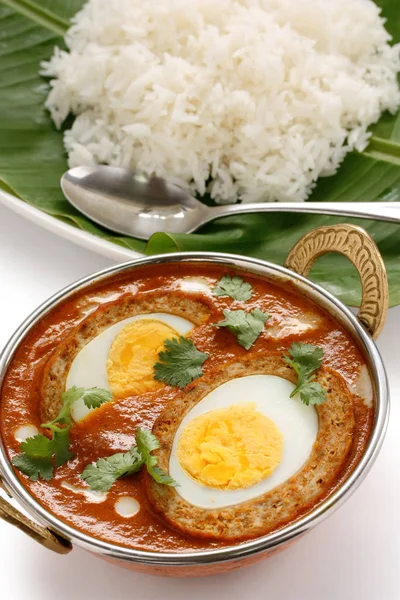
(133, 354)
(230, 448)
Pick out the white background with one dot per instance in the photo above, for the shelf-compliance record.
(354, 555)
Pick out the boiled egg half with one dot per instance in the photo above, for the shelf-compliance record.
(121, 358)
(241, 440)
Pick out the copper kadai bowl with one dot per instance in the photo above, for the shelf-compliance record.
(351, 241)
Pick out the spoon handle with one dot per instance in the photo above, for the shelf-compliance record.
(383, 211)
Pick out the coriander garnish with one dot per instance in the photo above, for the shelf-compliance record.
(233, 287)
(246, 326)
(36, 458)
(106, 471)
(102, 475)
(39, 454)
(180, 362)
(305, 359)
(146, 443)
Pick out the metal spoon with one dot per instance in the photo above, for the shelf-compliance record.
(137, 205)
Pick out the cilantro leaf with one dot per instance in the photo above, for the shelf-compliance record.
(92, 397)
(312, 393)
(61, 450)
(35, 460)
(159, 475)
(305, 359)
(34, 467)
(234, 287)
(180, 362)
(38, 446)
(246, 326)
(38, 451)
(106, 471)
(95, 397)
(146, 443)
(68, 398)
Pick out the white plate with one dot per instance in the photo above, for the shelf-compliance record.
(69, 232)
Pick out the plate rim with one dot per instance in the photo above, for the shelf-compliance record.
(73, 234)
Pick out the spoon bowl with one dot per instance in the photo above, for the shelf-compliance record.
(138, 205)
(131, 203)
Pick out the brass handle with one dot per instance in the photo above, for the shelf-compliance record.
(355, 243)
(40, 534)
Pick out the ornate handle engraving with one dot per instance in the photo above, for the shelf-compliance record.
(40, 534)
(355, 243)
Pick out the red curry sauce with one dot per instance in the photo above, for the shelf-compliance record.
(110, 428)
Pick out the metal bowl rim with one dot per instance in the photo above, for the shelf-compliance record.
(250, 547)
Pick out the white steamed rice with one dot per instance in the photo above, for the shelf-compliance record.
(248, 99)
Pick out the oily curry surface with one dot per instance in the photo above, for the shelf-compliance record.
(37, 376)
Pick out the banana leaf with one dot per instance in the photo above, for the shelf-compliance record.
(32, 160)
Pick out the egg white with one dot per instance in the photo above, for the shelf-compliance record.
(88, 368)
(297, 423)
